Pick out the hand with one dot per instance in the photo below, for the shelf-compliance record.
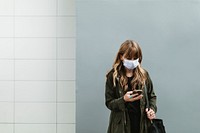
(150, 113)
(129, 97)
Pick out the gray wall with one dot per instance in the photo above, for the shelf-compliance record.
(168, 32)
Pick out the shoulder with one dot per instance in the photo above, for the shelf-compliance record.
(147, 75)
(148, 81)
(145, 72)
(109, 75)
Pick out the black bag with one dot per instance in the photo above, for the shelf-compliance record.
(157, 125)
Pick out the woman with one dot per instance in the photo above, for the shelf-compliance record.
(128, 111)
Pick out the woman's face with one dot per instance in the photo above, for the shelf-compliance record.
(130, 63)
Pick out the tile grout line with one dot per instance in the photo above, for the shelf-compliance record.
(56, 66)
(14, 109)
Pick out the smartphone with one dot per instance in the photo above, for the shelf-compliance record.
(139, 92)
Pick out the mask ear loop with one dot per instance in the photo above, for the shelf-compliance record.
(136, 62)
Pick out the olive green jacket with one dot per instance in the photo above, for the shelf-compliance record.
(119, 120)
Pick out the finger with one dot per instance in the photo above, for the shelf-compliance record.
(130, 96)
(152, 111)
(136, 98)
(148, 113)
(153, 117)
(129, 92)
(134, 95)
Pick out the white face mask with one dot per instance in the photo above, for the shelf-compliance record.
(131, 64)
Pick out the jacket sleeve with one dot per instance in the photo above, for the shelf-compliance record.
(112, 100)
(151, 94)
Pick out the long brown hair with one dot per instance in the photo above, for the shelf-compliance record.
(129, 50)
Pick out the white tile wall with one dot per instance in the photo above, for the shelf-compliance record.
(6, 7)
(37, 66)
(66, 95)
(6, 128)
(66, 128)
(6, 69)
(35, 26)
(35, 7)
(66, 27)
(35, 91)
(66, 113)
(63, 73)
(35, 113)
(66, 48)
(6, 112)
(7, 91)
(35, 70)
(35, 48)
(66, 7)
(6, 48)
(35, 128)
(6, 26)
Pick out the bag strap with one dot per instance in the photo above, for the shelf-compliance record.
(146, 96)
(147, 99)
